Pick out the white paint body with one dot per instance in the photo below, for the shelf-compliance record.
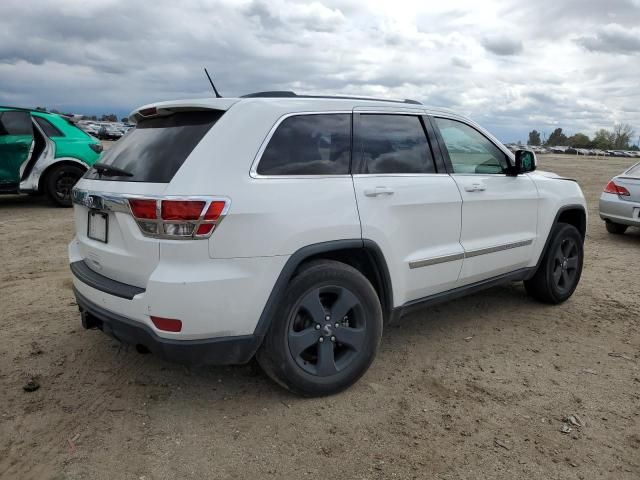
(219, 286)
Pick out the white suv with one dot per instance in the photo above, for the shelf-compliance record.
(293, 227)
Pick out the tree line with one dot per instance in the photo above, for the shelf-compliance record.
(619, 138)
(111, 117)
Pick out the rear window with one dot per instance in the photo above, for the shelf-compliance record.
(635, 170)
(155, 150)
(48, 129)
(318, 144)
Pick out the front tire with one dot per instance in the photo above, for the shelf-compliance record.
(325, 333)
(615, 228)
(559, 272)
(59, 182)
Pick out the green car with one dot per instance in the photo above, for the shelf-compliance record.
(43, 153)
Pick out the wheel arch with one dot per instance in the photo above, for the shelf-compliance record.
(575, 215)
(56, 163)
(364, 255)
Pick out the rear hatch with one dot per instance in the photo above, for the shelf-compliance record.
(139, 166)
(631, 181)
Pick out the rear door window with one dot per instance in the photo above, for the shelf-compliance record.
(318, 144)
(394, 144)
(155, 150)
(15, 123)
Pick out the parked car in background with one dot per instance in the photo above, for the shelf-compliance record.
(422, 206)
(90, 128)
(109, 132)
(43, 152)
(620, 201)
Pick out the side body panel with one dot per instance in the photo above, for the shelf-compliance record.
(555, 194)
(74, 143)
(499, 224)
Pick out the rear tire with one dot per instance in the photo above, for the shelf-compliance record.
(59, 182)
(304, 350)
(559, 272)
(615, 228)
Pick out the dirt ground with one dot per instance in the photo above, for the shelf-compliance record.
(476, 388)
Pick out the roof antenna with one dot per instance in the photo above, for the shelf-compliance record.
(212, 85)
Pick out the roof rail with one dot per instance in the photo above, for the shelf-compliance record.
(290, 94)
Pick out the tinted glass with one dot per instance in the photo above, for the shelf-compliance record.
(309, 145)
(157, 147)
(469, 150)
(635, 170)
(15, 123)
(394, 144)
(48, 129)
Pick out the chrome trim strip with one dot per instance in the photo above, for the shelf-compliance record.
(497, 248)
(436, 260)
(470, 254)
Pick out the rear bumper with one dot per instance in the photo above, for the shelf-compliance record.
(209, 351)
(620, 211)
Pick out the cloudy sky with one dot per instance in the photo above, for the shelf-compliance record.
(511, 65)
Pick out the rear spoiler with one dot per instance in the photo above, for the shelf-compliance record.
(168, 108)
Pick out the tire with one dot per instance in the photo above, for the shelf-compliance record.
(59, 182)
(559, 272)
(615, 228)
(304, 350)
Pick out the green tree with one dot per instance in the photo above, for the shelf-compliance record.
(622, 136)
(557, 138)
(579, 140)
(534, 138)
(603, 139)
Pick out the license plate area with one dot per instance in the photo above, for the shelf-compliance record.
(98, 226)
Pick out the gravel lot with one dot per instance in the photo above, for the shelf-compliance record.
(476, 388)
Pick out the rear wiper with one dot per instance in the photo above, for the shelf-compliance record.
(110, 170)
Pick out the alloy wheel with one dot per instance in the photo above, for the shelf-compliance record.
(565, 264)
(327, 330)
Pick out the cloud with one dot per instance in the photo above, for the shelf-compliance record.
(502, 45)
(545, 68)
(460, 62)
(612, 38)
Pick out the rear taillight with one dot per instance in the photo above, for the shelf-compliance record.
(181, 218)
(611, 187)
(147, 209)
(96, 147)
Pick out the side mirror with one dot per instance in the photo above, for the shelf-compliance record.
(525, 161)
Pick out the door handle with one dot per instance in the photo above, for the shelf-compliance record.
(475, 187)
(374, 192)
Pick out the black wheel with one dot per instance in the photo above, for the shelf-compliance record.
(615, 228)
(326, 333)
(561, 267)
(59, 182)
